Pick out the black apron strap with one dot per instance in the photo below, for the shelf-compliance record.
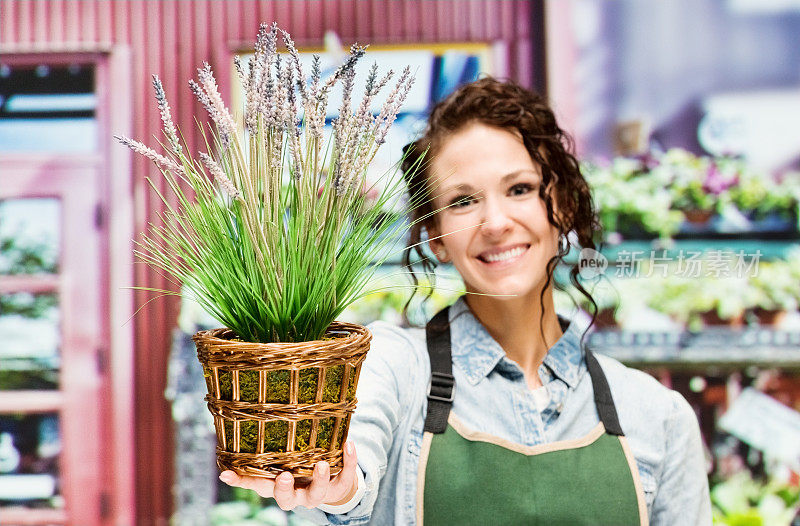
(606, 409)
(440, 388)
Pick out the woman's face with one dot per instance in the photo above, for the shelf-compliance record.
(499, 240)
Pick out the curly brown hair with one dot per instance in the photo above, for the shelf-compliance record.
(503, 104)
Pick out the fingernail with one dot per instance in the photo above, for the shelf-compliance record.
(349, 447)
(321, 466)
(286, 480)
(226, 477)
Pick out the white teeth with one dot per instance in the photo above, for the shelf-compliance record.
(508, 254)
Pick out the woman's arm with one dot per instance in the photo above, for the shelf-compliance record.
(682, 496)
(384, 392)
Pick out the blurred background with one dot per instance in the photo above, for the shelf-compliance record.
(685, 116)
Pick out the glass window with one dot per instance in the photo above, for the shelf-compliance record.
(29, 352)
(29, 236)
(47, 108)
(30, 445)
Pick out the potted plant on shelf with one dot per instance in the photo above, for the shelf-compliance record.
(768, 204)
(774, 292)
(280, 233)
(743, 500)
(607, 299)
(631, 199)
(698, 184)
(702, 301)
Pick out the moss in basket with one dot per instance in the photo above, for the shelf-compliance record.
(274, 435)
(277, 386)
(248, 386)
(306, 395)
(278, 392)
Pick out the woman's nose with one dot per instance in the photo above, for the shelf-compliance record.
(496, 220)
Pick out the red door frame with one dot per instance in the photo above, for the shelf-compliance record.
(112, 203)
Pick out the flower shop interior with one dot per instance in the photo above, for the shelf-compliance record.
(685, 117)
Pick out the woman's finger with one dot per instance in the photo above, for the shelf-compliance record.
(264, 487)
(315, 493)
(284, 492)
(344, 481)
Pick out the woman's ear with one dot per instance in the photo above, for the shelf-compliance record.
(436, 245)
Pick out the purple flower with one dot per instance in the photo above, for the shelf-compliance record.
(717, 182)
(647, 160)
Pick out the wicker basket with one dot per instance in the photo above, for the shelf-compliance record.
(282, 406)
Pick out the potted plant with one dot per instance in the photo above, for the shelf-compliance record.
(702, 301)
(774, 292)
(631, 199)
(280, 233)
(607, 299)
(741, 500)
(720, 301)
(698, 184)
(765, 200)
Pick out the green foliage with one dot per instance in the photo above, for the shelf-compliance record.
(628, 196)
(688, 176)
(248, 509)
(656, 193)
(686, 298)
(758, 195)
(743, 501)
(28, 305)
(27, 257)
(775, 286)
(28, 379)
(292, 232)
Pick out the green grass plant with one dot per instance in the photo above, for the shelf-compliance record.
(275, 231)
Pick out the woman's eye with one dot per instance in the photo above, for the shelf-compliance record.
(461, 201)
(522, 188)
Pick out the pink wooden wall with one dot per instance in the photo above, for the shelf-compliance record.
(171, 39)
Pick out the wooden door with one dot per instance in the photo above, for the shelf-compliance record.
(53, 334)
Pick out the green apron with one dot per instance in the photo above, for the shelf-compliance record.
(468, 477)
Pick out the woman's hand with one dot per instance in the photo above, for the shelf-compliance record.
(321, 490)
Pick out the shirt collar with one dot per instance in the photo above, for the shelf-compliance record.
(477, 353)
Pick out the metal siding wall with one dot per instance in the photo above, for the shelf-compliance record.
(171, 39)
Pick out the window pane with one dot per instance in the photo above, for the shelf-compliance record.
(29, 352)
(30, 446)
(47, 108)
(29, 236)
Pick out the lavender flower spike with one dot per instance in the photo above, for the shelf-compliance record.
(151, 154)
(392, 105)
(243, 73)
(299, 75)
(222, 117)
(166, 117)
(219, 175)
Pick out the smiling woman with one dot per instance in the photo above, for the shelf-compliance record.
(503, 166)
(536, 409)
(499, 232)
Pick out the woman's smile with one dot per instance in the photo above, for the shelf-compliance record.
(503, 257)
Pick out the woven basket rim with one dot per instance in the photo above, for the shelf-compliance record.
(353, 333)
(215, 349)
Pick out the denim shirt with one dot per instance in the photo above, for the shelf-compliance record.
(492, 396)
